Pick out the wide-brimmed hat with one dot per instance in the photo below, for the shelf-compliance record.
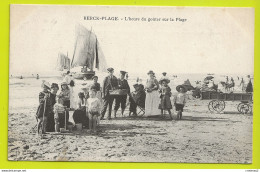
(164, 79)
(55, 85)
(123, 72)
(164, 73)
(47, 84)
(150, 72)
(110, 69)
(136, 85)
(93, 77)
(181, 86)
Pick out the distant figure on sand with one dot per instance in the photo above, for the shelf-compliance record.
(249, 87)
(165, 94)
(165, 77)
(121, 99)
(152, 99)
(110, 83)
(37, 76)
(180, 100)
(21, 77)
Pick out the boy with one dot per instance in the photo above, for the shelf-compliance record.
(180, 100)
(93, 106)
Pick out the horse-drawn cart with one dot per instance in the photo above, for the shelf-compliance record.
(217, 103)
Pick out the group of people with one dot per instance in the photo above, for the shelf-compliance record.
(93, 100)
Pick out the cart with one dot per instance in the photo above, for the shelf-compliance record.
(217, 103)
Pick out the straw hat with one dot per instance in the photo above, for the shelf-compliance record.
(47, 84)
(150, 72)
(164, 79)
(181, 86)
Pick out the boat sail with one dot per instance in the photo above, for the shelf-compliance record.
(63, 62)
(87, 54)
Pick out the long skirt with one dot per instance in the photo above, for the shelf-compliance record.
(80, 116)
(152, 102)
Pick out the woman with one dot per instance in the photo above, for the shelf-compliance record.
(79, 115)
(152, 99)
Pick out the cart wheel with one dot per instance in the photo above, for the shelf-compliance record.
(210, 105)
(244, 108)
(219, 106)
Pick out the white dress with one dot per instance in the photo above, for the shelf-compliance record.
(152, 99)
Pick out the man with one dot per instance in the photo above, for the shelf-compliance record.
(121, 99)
(165, 77)
(110, 83)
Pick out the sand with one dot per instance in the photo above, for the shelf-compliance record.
(200, 137)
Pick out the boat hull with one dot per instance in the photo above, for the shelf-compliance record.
(84, 76)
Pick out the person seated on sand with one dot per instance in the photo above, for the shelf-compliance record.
(80, 115)
(165, 94)
(60, 114)
(44, 108)
(180, 100)
(137, 98)
(93, 107)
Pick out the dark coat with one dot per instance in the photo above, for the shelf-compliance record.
(123, 84)
(109, 84)
(48, 107)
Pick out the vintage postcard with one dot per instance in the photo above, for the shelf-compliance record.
(131, 84)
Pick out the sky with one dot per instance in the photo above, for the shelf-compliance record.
(211, 40)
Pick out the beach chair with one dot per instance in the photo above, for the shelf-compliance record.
(140, 111)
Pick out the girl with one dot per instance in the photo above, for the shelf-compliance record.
(93, 106)
(180, 100)
(79, 115)
(165, 94)
(65, 96)
(152, 99)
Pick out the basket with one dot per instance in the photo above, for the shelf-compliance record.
(118, 92)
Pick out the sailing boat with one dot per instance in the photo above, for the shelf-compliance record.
(87, 54)
(63, 62)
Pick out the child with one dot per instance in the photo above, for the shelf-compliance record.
(45, 107)
(165, 94)
(180, 100)
(93, 106)
(59, 114)
(65, 96)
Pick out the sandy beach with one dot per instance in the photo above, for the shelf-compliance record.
(200, 137)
